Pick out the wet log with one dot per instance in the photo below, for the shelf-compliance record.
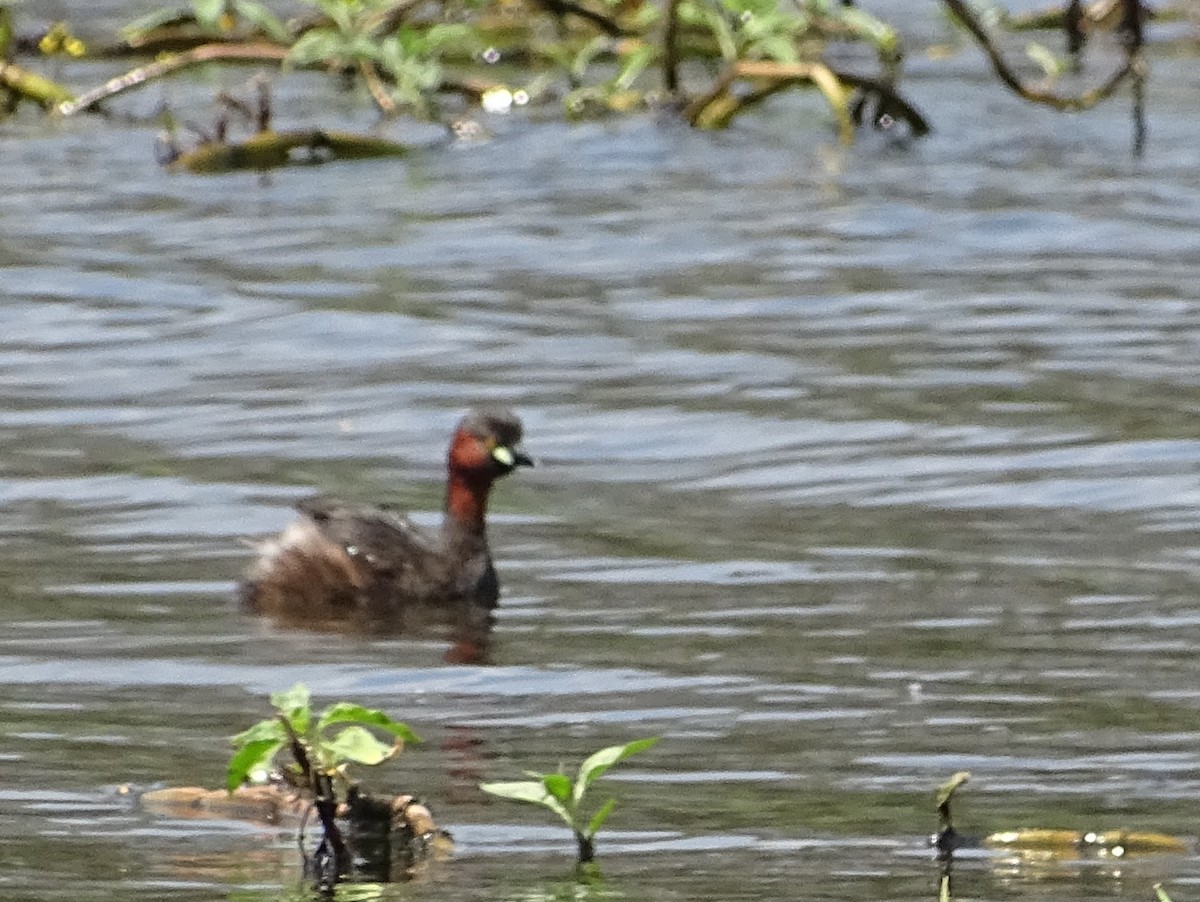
(1071, 844)
(271, 150)
(275, 804)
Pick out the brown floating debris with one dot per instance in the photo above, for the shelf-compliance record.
(271, 150)
(272, 804)
(1071, 843)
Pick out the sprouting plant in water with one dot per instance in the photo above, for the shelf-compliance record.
(328, 752)
(322, 746)
(947, 839)
(399, 62)
(566, 797)
(218, 17)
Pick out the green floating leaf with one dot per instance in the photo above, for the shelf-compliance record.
(253, 756)
(1161, 893)
(346, 712)
(595, 765)
(359, 745)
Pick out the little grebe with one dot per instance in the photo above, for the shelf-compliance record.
(368, 569)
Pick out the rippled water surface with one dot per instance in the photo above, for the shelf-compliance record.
(856, 468)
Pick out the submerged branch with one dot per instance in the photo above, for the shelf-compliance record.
(248, 53)
(717, 106)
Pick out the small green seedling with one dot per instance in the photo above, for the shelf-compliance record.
(309, 738)
(320, 757)
(565, 798)
(947, 839)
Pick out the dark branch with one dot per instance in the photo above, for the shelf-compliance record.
(1088, 99)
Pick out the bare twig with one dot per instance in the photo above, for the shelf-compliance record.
(1132, 35)
(1073, 26)
(379, 91)
(1005, 73)
(563, 8)
(250, 53)
(715, 107)
(671, 48)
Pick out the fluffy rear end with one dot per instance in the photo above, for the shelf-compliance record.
(304, 579)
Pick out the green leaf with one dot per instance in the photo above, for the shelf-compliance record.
(253, 756)
(359, 745)
(595, 765)
(441, 36)
(208, 12)
(722, 34)
(290, 700)
(265, 729)
(558, 785)
(149, 22)
(341, 15)
(530, 791)
(317, 45)
(346, 712)
(872, 30)
(587, 55)
(633, 65)
(779, 48)
(1045, 58)
(258, 15)
(600, 817)
(946, 790)
(294, 706)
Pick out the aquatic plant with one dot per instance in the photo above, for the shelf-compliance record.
(557, 792)
(322, 746)
(309, 736)
(595, 57)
